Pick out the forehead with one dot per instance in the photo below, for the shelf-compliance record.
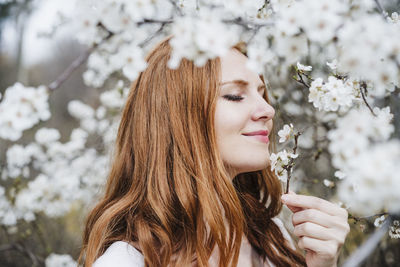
(233, 67)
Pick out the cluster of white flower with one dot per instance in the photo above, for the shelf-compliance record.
(22, 108)
(201, 37)
(94, 18)
(115, 98)
(68, 172)
(332, 95)
(286, 133)
(372, 176)
(258, 53)
(101, 64)
(354, 133)
(367, 57)
(93, 121)
(319, 19)
(394, 230)
(394, 18)
(378, 221)
(117, 21)
(18, 159)
(58, 260)
(279, 163)
(7, 213)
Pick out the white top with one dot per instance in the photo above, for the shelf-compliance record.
(122, 254)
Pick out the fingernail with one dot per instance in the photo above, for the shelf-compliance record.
(284, 198)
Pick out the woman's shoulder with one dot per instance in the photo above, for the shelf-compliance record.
(120, 254)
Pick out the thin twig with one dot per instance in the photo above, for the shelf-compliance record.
(149, 21)
(380, 8)
(176, 7)
(357, 219)
(363, 90)
(289, 167)
(148, 39)
(301, 80)
(247, 24)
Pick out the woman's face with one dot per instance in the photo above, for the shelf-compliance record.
(243, 118)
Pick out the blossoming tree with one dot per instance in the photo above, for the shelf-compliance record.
(338, 59)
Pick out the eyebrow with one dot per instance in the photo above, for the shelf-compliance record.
(243, 83)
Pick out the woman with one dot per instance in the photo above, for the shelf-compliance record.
(190, 184)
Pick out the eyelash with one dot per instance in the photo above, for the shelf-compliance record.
(233, 97)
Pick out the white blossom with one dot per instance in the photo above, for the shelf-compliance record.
(353, 134)
(394, 18)
(340, 175)
(291, 47)
(130, 59)
(319, 19)
(378, 221)
(371, 174)
(286, 133)
(303, 67)
(394, 230)
(17, 158)
(279, 161)
(367, 57)
(58, 260)
(328, 183)
(7, 215)
(47, 135)
(22, 108)
(331, 95)
(332, 65)
(79, 110)
(200, 38)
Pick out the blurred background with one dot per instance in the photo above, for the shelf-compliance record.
(36, 46)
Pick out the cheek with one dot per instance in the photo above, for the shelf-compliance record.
(230, 119)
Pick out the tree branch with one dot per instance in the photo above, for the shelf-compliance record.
(366, 249)
(75, 64)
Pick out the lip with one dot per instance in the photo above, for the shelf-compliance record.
(261, 132)
(259, 135)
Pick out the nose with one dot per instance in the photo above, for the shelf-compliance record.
(263, 110)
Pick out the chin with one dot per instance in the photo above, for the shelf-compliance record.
(255, 167)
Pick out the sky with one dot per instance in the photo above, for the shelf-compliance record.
(42, 19)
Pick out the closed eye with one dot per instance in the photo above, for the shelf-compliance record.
(233, 97)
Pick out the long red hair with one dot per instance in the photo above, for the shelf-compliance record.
(168, 190)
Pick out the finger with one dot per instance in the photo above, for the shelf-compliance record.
(311, 202)
(315, 231)
(319, 217)
(294, 209)
(322, 247)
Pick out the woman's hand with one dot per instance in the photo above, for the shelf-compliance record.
(321, 226)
